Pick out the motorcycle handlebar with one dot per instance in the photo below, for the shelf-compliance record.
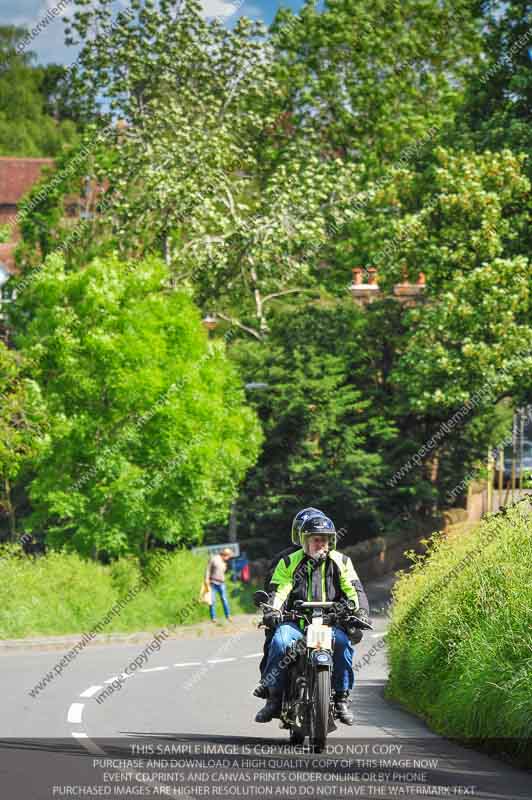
(345, 616)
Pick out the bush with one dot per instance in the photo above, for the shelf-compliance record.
(62, 593)
(56, 594)
(459, 642)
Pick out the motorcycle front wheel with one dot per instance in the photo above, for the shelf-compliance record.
(321, 697)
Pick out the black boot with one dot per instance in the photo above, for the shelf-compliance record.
(341, 708)
(272, 708)
(261, 691)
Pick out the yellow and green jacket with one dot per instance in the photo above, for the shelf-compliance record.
(298, 577)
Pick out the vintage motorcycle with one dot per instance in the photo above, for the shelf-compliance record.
(308, 704)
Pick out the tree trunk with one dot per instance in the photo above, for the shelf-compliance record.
(263, 325)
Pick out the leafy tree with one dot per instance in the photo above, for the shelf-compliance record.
(498, 106)
(498, 99)
(23, 425)
(475, 328)
(55, 90)
(372, 77)
(150, 433)
(182, 172)
(325, 435)
(26, 127)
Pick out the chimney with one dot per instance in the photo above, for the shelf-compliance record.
(357, 275)
(410, 293)
(364, 293)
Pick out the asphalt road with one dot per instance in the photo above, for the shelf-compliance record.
(186, 720)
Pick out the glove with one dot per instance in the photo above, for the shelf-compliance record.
(271, 619)
(354, 635)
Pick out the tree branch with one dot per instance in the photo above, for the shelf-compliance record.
(234, 321)
(285, 291)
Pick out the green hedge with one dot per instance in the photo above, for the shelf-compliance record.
(460, 643)
(62, 593)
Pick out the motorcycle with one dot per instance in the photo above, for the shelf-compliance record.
(308, 703)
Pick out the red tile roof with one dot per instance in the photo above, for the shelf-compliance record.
(17, 176)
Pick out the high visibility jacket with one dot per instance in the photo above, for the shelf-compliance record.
(298, 577)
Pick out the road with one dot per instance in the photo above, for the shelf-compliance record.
(186, 720)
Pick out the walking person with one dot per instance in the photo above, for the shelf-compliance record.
(215, 581)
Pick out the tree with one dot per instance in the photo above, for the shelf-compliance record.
(326, 436)
(26, 128)
(23, 431)
(150, 433)
(497, 110)
(475, 329)
(182, 172)
(372, 77)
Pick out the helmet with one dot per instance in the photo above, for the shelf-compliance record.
(317, 525)
(299, 518)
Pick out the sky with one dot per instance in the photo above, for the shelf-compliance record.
(49, 43)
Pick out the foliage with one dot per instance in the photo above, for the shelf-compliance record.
(496, 114)
(150, 434)
(27, 127)
(325, 436)
(497, 109)
(23, 432)
(459, 643)
(474, 332)
(372, 78)
(339, 427)
(62, 593)
(184, 172)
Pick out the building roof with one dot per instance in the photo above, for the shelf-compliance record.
(17, 176)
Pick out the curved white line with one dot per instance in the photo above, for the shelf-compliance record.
(75, 712)
(189, 664)
(220, 660)
(90, 691)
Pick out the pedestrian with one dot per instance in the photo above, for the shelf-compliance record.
(215, 581)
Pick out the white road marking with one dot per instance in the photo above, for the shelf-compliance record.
(254, 655)
(188, 664)
(90, 691)
(75, 711)
(153, 669)
(110, 680)
(88, 744)
(378, 635)
(220, 660)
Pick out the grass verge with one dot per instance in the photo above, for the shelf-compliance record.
(61, 593)
(460, 640)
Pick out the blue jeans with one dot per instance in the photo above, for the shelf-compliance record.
(219, 588)
(274, 675)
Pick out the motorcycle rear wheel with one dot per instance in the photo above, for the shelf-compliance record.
(320, 709)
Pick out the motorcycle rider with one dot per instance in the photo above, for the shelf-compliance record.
(261, 690)
(316, 571)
